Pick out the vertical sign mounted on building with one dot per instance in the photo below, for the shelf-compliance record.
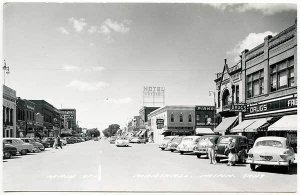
(153, 96)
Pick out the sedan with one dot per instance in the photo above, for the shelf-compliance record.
(188, 144)
(9, 150)
(271, 150)
(37, 146)
(22, 147)
(121, 142)
(202, 146)
(138, 140)
(165, 142)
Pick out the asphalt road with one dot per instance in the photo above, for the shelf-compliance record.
(100, 166)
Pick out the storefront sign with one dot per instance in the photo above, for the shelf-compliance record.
(274, 105)
(239, 107)
(159, 121)
(29, 107)
(205, 108)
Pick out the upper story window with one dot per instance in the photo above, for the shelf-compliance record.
(181, 117)
(190, 117)
(172, 117)
(237, 94)
(219, 94)
(225, 98)
(255, 83)
(282, 75)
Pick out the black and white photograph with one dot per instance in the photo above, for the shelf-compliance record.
(149, 97)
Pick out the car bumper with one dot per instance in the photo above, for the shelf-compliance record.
(185, 150)
(221, 156)
(262, 162)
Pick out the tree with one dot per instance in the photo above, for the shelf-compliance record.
(111, 130)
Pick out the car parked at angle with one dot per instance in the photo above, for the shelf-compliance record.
(172, 145)
(138, 140)
(188, 144)
(37, 146)
(112, 140)
(271, 150)
(9, 150)
(22, 147)
(49, 140)
(45, 144)
(241, 143)
(122, 141)
(202, 146)
(165, 142)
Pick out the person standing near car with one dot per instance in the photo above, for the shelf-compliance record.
(59, 142)
(232, 155)
(55, 143)
(211, 151)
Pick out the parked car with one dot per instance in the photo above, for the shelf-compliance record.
(112, 140)
(22, 147)
(165, 142)
(172, 145)
(63, 141)
(49, 140)
(96, 139)
(9, 150)
(70, 140)
(138, 140)
(188, 144)
(45, 144)
(241, 143)
(122, 142)
(271, 150)
(202, 145)
(37, 146)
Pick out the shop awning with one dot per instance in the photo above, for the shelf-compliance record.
(242, 126)
(258, 123)
(286, 123)
(204, 131)
(225, 124)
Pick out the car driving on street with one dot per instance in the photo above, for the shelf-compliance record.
(122, 142)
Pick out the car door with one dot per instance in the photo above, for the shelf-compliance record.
(17, 144)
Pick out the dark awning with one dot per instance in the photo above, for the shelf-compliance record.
(226, 124)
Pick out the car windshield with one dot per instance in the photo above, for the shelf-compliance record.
(167, 138)
(272, 143)
(187, 139)
(225, 140)
(177, 139)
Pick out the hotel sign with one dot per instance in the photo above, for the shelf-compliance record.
(154, 91)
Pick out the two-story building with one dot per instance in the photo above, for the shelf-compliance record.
(9, 112)
(25, 118)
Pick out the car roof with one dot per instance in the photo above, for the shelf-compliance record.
(193, 136)
(236, 136)
(12, 138)
(271, 138)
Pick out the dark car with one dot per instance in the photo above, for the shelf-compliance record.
(70, 140)
(48, 140)
(45, 144)
(8, 151)
(202, 145)
(241, 147)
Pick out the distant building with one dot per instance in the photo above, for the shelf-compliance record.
(9, 112)
(68, 118)
(25, 118)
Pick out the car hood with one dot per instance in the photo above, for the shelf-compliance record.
(267, 150)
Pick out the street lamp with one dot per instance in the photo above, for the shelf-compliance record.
(5, 70)
(214, 94)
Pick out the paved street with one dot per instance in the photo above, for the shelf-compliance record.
(100, 166)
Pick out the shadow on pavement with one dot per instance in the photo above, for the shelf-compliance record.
(277, 169)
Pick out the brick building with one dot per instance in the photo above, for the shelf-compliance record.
(25, 118)
(9, 112)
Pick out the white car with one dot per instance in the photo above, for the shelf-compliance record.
(271, 150)
(63, 141)
(121, 142)
(165, 142)
(188, 144)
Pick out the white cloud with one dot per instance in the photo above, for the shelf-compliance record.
(125, 100)
(117, 26)
(86, 86)
(265, 8)
(68, 67)
(91, 44)
(78, 24)
(93, 29)
(98, 68)
(251, 41)
(63, 30)
(104, 30)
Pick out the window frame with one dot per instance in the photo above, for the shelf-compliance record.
(255, 78)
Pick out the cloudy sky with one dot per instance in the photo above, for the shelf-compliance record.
(97, 57)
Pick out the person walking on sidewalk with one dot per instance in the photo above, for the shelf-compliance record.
(59, 142)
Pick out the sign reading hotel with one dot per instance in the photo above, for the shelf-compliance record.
(153, 96)
(154, 91)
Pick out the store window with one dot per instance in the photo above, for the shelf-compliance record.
(181, 117)
(190, 118)
(172, 117)
(282, 75)
(197, 117)
(255, 83)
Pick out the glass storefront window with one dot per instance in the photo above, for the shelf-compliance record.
(282, 79)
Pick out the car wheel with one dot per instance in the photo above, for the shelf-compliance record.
(252, 166)
(172, 150)
(198, 156)
(181, 152)
(218, 159)
(23, 152)
(162, 149)
(7, 155)
(287, 168)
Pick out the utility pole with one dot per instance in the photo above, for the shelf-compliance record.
(5, 71)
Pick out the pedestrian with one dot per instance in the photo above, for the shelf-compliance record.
(55, 143)
(232, 155)
(211, 151)
(59, 142)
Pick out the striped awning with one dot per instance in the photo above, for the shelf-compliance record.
(257, 124)
(226, 124)
(242, 126)
(286, 123)
(204, 131)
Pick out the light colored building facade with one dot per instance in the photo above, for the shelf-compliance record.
(9, 112)
(172, 120)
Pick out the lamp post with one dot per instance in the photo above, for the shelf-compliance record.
(5, 71)
(214, 94)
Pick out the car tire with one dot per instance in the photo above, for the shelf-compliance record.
(172, 150)
(181, 152)
(287, 168)
(7, 155)
(162, 148)
(218, 159)
(198, 156)
(252, 167)
(23, 152)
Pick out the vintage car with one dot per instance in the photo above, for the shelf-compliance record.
(271, 150)
(122, 142)
(9, 150)
(138, 140)
(37, 146)
(172, 145)
(202, 145)
(165, 142)
(241, 147)
(70, 140)
(48, 140)
(188, 144)
(112, 140)
(63, 141)
(22, 147)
